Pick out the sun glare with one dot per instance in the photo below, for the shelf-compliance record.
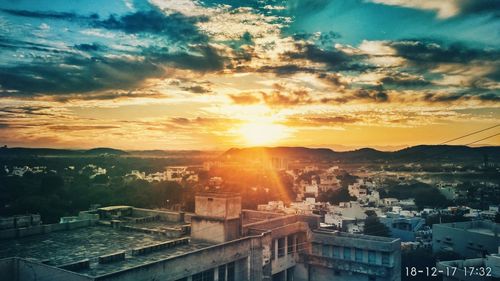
(263, 133)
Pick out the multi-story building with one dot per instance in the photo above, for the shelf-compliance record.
(405, 228)
(219, 242)
(478, 269)
(472, 239)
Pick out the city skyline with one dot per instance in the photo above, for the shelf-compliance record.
(216, 74)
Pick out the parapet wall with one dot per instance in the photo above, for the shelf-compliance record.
(163, 215)
(41, 229)
(15, 269)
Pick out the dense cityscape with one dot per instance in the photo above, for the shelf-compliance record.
(249, 140)
(437, 210)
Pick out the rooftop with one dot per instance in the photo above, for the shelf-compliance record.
(71, 246)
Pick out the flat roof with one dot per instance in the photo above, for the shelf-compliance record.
(69, 246)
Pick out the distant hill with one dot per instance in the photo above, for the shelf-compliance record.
(415, 153)
(22, 151)
(104, 150)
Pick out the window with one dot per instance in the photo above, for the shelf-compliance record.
(231, 272)
(336, 252)
(273, 250)
(371, 256)
(289, 274)
(347, 253)
(281, 247)
(204, 276)
(182, 279)
(372, 278)
(385, 258)
(222, 273)
(316, 249)
(326, 250)
(290, 243)
(359, 255)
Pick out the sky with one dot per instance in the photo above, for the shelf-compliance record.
(215, 74)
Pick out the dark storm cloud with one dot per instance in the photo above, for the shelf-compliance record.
(9, 43)
(201, 58)
(197, 89)
(89, 47)
(49, 15)
(400, 80)
(176, 26)
(429, 52)
(80, 74)
(24, 111)
(490, 97)
(335, 59)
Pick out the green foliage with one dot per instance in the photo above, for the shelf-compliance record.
(336, 196)
(374, 227)
(424, 194)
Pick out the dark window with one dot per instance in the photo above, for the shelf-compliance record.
(231, 272)
(290, 243)
(222, 273)
(182, 279)
(273, 249)
(347, 253)
(372, 257)
(372, 278)
(289, 274)
(326, 251)
(281, 247)
(359, 255)
(204, 276)
(336, 252)
(385, 258)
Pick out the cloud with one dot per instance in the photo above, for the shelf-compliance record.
(319, 121)
(88, 47)
(201, 58)
(404, 80)
(244, 99)
(335, 59)
(176, 26)
(49, 15)
(449, 8)
(431, 52)
(76, 74)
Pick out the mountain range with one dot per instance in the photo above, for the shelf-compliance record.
(427, 152)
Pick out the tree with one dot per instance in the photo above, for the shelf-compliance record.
(373, 226)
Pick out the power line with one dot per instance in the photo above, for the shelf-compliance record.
(489, 137)
(470, 134)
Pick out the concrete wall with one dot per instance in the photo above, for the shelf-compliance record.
(218, 206)
(246, 251)
(469, 244)
(15, 269)
(41, 229)
(215, 230)
(164, 215)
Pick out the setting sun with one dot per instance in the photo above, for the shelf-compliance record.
(263, 133)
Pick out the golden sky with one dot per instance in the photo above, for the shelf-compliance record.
(186, 74)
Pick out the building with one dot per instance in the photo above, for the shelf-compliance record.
(220, 241)
(479, 269)
(472, 239)
(406, 229)
(343, 256)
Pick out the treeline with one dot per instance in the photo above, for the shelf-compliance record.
(52, 197)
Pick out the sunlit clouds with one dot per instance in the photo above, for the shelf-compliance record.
(215, 74)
